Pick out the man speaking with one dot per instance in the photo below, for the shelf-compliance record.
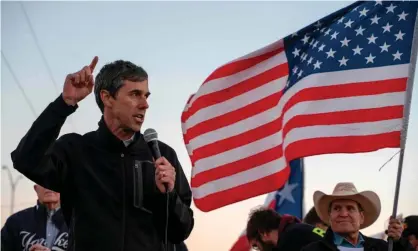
(113, 193)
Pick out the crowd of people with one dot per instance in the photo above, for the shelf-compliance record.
(106, 189)
(334, 223)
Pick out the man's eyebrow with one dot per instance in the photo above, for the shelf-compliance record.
(140, 92)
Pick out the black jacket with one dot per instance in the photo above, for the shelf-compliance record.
(370, 244)
(181, 247)
(26, 228)
(108, 192)
(294, 236)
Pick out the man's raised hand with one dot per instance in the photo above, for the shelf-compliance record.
(79, 84)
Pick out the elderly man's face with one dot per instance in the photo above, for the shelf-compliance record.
(345, 216)
(46, 195)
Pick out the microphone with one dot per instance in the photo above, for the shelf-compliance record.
(151, 137)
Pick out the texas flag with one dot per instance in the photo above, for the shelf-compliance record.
(286, 200)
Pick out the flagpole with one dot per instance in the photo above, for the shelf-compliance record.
(406, 112)
(303, 209)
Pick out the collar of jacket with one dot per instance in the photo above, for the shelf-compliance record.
(339, 240)
(329, 241)
(110, 141)
(285, 220)
(42, 213)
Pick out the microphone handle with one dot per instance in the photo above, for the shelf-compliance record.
(157, 153)
(156, 149)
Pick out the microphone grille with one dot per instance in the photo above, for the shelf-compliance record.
(150, 135)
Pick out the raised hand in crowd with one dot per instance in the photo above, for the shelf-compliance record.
(395, 229)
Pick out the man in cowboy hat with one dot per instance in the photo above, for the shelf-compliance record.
(347, 211)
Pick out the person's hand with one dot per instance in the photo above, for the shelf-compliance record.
(164, 173)
(395, 229)
(38, 247)
(80, 84)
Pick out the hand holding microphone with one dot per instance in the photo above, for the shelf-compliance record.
(165, 173)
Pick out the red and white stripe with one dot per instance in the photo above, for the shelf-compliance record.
(241, 130)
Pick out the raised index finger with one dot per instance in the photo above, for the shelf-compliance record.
(93, 63)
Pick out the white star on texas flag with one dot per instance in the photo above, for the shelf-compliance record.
(286, 192)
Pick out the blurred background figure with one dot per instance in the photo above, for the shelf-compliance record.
(411, 230)
(267, 230)
(313, 219)
(38, 228)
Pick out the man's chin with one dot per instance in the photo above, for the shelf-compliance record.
(133, 128)
(136, 128)
(267, 246)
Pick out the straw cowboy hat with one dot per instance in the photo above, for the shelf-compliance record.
(368, 200)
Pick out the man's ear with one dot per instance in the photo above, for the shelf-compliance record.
(361, 217)
(106, 98)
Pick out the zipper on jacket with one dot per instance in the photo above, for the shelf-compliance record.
(138, 186)
(124, 201)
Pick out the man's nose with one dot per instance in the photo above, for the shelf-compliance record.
(343, 212)
(144, 104)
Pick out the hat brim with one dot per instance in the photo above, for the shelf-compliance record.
(368, 200)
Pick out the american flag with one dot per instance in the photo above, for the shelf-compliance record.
(336, 86)
(287, 200)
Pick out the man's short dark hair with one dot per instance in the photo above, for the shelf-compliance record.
(410, 226)
(262, 220)
(312, 218)
(112, 75)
